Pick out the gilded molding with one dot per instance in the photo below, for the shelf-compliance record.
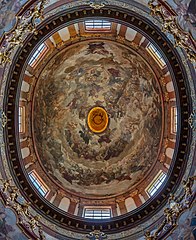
(96, 235)
(170, 25)
(97, 4)
(25, 24)
(176, 205)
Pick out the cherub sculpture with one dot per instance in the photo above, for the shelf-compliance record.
(25, 208)
(14, 194)
(187, 185)
(34, 222)
(170, 217)
(6, 185)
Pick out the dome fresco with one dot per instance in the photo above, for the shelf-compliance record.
(97, 119)
(97, 74)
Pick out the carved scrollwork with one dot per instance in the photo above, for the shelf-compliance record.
(96, 4)
(170, 25)
(192, 120)
(96, 235)
(25, 24)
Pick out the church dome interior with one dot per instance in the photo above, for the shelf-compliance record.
(97, 119)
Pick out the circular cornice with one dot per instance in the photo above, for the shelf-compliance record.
(183, 136)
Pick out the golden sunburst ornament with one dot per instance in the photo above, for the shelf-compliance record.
(97, 119)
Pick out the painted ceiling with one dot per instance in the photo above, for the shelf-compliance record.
(100, 74)
(138, 97)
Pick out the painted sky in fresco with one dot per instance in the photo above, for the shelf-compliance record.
(106, 75)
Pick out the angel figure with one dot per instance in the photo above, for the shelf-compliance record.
(156, 9)
(6, 185)
(170, 217)
(34, 222)
(4, 57)
(25, 208)
(187, 185)
(18, 208)
(37, 12)
(14, 194)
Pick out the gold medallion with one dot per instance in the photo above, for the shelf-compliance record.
(97, 119)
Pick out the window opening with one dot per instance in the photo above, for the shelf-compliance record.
(174, 116)
(93, 213)
(155, 185)
(95, 24)
(21, 120)
(156, 55)
(38, 183)
(37, 55)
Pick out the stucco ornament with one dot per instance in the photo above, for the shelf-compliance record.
(96, 4)
(96, 235)
(170, 25)
(10, 196)
(192, 120)
(25, 24)
(176, 206)
(3, 119)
